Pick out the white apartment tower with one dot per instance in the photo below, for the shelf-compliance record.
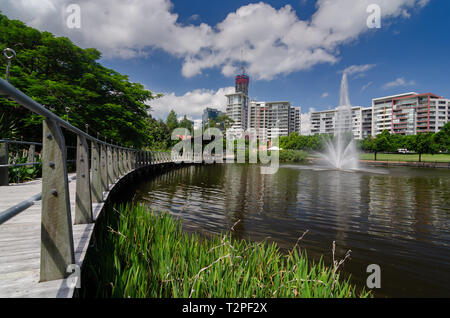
(326, 122)
(270, 119)
(295, 120)
(410, 113)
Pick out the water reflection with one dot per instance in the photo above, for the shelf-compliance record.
(398, 218)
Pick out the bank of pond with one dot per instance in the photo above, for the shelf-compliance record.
(141, 253)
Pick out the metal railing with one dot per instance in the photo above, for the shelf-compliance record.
(108, 163)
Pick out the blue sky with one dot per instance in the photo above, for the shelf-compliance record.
(410, 52)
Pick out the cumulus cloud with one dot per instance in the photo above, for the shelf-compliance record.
(366, 86)
(399, 82)
(325, 95)
(192, 103)
(306, 123)
(120, 28)
(274, 41)
(358, 69)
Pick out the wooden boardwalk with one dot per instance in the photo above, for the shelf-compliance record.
(26, 256)
(20, 244)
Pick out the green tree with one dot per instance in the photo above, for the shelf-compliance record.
(211, 124)
(423, 143)
(59, 75)
(172, 121)
(382, 143)
(295, 141)
(398, 141)
(8, 129)
(224, 121)
(159, 136)
(186, 123)
(442, 138)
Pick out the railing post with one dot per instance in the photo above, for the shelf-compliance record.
(31, 152)
(104, 169)
(138, 159)
(109, 162)
(124, 161)
(119, 162)
(4, 178)
(83, 200)
(57, 250)
(130, 160)
(115, 161)
(97, 188)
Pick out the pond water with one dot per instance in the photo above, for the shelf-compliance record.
(397, 218)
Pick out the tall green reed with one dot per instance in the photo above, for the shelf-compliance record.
(142, 253)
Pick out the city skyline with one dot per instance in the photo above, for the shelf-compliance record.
(198, 51)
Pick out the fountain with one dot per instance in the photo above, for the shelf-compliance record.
(340, 151)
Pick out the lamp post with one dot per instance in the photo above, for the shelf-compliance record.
(9, 54)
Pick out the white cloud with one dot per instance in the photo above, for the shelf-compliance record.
(274, 41)
(366, 86)
(325, 95)
(306, 123)
(192, 103)
(358, 69)
(119, 28)
(399, 82)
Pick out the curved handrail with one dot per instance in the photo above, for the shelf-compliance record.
(109, 162)
(19, 97)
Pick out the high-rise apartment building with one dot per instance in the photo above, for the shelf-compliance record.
(409, 113)
(322, 122)
(295, 120)
(210, 113)
(270, 119)
(331, 122)
(237, 107)
(382, 113)
(366, 122)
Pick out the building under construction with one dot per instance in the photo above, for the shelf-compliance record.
(237, 106)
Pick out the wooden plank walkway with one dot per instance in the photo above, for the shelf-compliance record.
(20, 244)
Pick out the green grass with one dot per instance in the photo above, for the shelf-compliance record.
(406, 157)
(140, 253)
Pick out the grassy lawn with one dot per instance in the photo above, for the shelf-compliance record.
(406, 157)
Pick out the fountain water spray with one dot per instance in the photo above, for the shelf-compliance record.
(341, 152)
